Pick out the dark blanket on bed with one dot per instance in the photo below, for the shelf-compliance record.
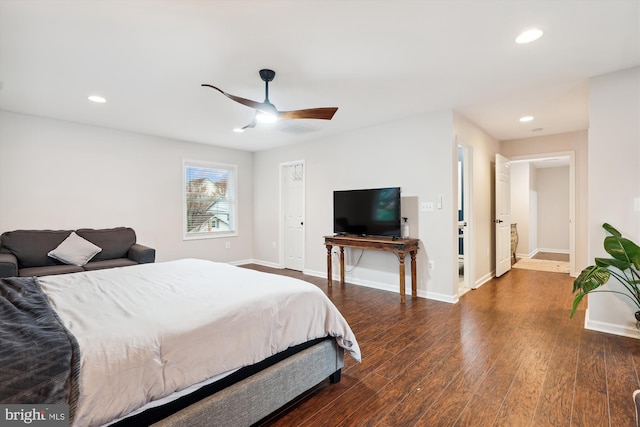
(39, 358)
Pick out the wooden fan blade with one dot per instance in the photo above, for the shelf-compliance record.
(310, 113)
(261, 106)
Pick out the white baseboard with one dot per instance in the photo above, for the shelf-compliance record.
(258, 262)
(527, 256)
(610, 328)
(440, 297)
(484, 279)
(316, 273)
(548, 250)
(553, 251)
(390, 288)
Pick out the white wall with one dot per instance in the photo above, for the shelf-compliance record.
(520, 207)
(61, 175)
(417, 154)
(553, 209)
(484, 149)
(614, 183)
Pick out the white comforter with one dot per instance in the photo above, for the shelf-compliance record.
(149, 330)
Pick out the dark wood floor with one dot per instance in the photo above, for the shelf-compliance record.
(506, 355)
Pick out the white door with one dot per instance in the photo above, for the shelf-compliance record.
(293, 210)
(503, 215)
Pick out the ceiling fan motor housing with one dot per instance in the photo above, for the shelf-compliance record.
(267, 75)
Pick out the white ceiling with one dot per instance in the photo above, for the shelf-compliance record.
(376, 60)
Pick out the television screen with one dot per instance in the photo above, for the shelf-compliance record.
(370, 212)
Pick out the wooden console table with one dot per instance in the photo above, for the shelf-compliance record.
(398, 246)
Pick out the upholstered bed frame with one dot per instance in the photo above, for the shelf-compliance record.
(261, 394)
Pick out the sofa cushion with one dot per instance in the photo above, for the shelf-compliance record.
(109, 263)
(75, 250)
(115, 242)
(31, 247)
(49, 270)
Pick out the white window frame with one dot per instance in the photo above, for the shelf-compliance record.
(231, 199)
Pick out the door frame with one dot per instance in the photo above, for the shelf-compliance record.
(572, 198)
(281, 209)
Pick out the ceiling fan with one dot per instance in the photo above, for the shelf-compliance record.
(267, 112)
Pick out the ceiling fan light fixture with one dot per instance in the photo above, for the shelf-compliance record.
(529, 36)
(263, 117)
(96, 98)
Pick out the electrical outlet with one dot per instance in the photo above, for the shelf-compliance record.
(227, 245)
(273, 245)
(431, 264)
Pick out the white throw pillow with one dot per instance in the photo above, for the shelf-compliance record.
(75, 250)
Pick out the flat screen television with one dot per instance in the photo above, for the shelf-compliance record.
(368, 212)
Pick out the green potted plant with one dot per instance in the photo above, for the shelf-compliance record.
(624, 266)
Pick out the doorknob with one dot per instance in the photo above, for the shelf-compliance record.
(498, 221)
(301, 223)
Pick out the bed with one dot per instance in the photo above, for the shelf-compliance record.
(134, 341)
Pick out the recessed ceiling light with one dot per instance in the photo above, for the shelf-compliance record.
(526, 118)
(238, 130)
(96, 98)
(529, 36)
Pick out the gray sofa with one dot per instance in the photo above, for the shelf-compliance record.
(26, 252)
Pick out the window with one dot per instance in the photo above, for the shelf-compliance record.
(209, 200)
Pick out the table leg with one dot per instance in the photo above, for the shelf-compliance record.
(329, 273)
(402, 285)
(341, 265)
(414, 276)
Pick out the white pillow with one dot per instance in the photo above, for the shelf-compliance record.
(75, 250)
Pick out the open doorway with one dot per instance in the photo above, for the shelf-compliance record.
(465, 224)
(543, 206)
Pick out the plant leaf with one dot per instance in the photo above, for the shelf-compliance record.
(612, 262)
(614, 247)
(633, 252)
(611, 230)
(622, 249)
(591, 278)
(576, 302)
